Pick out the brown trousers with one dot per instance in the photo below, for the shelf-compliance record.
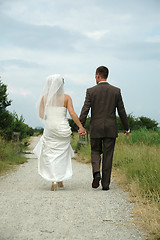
(105, 146)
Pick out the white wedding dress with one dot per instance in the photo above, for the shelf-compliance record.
(53, 150)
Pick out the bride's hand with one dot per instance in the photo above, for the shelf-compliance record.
(82, 131)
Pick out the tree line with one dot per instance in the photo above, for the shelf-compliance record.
(10, 122)
(134, 123)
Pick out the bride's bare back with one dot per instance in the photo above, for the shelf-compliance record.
(67, 104)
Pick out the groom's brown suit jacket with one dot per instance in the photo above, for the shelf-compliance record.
(104, 99)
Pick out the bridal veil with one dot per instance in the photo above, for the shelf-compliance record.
(54, 151)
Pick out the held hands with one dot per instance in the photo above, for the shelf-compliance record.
(82, 131)
(126, 133)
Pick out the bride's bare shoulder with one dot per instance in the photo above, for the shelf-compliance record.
(67, 100)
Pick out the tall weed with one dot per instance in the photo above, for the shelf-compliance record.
(141, 164)
(137, 159)
(83, 150)
(10, 155)
(142, 136)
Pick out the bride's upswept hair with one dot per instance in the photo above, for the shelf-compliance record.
(52, 95)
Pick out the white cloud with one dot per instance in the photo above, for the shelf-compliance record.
(153, 39)
(96, 35)
(76, 78)
(73, 38)
(19, 91)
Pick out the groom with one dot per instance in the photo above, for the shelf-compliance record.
(103, 99)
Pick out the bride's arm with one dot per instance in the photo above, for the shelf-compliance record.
(41, 108)
(74, 115)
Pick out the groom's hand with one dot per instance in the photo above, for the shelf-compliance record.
(82, 131)
(126, 133)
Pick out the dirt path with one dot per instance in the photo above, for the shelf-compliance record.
(30, 211)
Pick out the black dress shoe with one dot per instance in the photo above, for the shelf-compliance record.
(105, 188)
(97, 178)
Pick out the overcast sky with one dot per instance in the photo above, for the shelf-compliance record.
(74, 37)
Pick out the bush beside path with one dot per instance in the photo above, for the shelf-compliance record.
(29, 210)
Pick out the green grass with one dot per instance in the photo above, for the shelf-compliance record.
(142, 136)
(83, 150)
(140, 163)
(10, 155)
(136, 165)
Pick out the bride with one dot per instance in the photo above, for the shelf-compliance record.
(53, 150)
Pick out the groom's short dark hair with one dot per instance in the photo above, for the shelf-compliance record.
(103, 71)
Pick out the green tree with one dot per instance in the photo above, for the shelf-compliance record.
(132, 122)
(148, 123)
(87, 124)
(17, 124)
(73, 126)
(138, 123)
(10, 122)
(5, 118)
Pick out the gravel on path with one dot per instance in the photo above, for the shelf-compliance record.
(30, 211)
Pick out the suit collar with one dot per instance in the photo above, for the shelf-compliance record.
(102, 83)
